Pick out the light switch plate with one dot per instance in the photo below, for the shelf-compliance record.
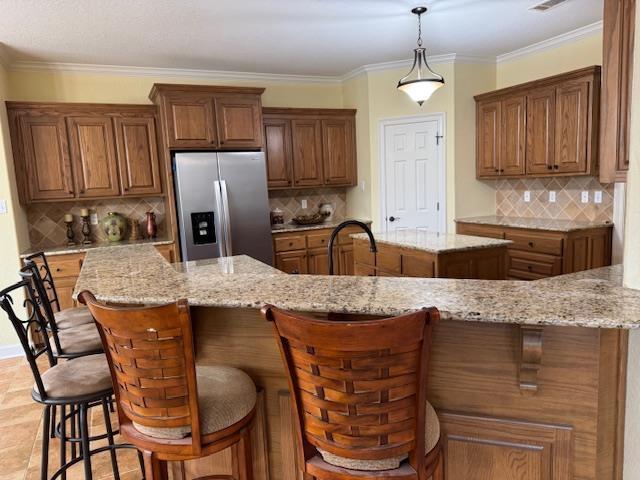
(584, 198)
(304, 203)
(3, 206)
(552, 196)
(362, 185)
(93, 218)
(527, 196)
(597, 196)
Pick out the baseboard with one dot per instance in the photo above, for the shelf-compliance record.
(10, 351)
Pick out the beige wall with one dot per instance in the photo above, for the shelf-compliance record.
(13, 226)
(584, 52)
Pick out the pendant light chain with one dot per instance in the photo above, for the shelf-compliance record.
(420, 30)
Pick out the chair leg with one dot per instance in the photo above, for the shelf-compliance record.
(84, 435)
(438, 472)
(154, 468)
(112, 452)
(52, 433)
(46, 425)
(63, 441)
(72, 424)
(243, 463)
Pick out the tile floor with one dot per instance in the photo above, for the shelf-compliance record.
(21, 433)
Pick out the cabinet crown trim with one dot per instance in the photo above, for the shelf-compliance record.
(68, 108)
(534, 84)
(163, 88)
(309, 111)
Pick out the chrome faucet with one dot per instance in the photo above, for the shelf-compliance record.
(334, 234)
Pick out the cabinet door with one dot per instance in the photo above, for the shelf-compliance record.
(190, 121)
(541, 108)
(138, 155)
(307, 152)
(572, 121)
(318, 261)
(93, 155)
(488, 139)
(347, 260)
(292, 262)
(46, 157)
(512, 137)
(338, 152)
(239, 121)
(277, 139)
(167, 251)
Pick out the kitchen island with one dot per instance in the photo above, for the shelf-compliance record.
(528, 377)
(418, 253)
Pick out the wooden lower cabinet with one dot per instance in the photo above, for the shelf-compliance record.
(307, 252)
(393, 261)
(536, 254)
(168, 252)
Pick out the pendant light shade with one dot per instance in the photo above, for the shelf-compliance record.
(421, 81)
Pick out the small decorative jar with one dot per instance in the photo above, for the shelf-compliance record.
(277, 216)
(326, 210)
(114, 226)
(152, 227)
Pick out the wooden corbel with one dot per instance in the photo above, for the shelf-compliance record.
(530, 358)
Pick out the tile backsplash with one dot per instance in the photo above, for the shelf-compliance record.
(46, 220)
(290, 201)
(568, 204)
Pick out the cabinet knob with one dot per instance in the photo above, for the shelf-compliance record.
(531, 244)
(557, 167)
(549, 167)
(58, 269)
(71, 192)
(126, 189)
(529, 267)
(295, 272)
(497, 170)
(291, 244)
(502, 170)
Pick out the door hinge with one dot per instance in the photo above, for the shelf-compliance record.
(437, 206)
(438, 137)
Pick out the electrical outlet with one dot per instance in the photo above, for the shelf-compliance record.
(584, 198)
(527, 196)
(3, 206)
(597, 196)
(552, 196)
(93, 218)
(304, 203)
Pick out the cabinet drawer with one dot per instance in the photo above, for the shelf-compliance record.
(479, 230)
(63, 266)
(536, 263)
(362, 254)
(535, 242)
(317, 240)
(286, 244)
(417, 266)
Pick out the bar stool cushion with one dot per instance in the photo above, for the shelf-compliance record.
(225, 396)
(432, 436)
(78, 377)
(83, 338)
(72, 317)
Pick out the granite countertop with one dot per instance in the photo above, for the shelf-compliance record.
(138, 274)
(294, 227)
(433, 242)
(535, 223)
(66, 249)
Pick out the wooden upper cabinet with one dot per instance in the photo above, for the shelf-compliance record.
(189, 121)
(209, 117)
(307, 152)
(488, 121)
(540, 128)
(572, 110)
(46, 167)
(277, 140)
(93, 155)
(617, 77)
(512, 140)
(338, 151)
(541, 119)
(138, 160)
(65, 151)
(239, 120)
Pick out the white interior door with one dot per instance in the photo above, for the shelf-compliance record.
(414, 175)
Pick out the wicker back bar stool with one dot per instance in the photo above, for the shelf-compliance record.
(170, 408)
(359, 395)
(64, 318)
(73, 386)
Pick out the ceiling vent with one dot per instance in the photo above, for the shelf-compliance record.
(546, 6)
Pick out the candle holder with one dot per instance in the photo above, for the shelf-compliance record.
(86, 230)
(70, 234)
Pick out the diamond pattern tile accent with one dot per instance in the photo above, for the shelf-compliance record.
(46, 221)
(290, 201)
(510, 202)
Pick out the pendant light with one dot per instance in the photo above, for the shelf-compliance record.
(421, 81)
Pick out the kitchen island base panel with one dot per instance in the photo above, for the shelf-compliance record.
(570, 427)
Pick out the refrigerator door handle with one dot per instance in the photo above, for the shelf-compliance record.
(221, 214)
(227, 219)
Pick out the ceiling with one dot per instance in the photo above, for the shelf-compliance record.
(304, 37)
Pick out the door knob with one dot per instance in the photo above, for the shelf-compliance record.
(393, 219)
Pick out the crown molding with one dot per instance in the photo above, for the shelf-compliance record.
(552, 42)
(5, 59)
(168, 72)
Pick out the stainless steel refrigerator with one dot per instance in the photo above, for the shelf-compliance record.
(222, 205)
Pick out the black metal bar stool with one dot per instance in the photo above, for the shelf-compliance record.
(74, 386)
